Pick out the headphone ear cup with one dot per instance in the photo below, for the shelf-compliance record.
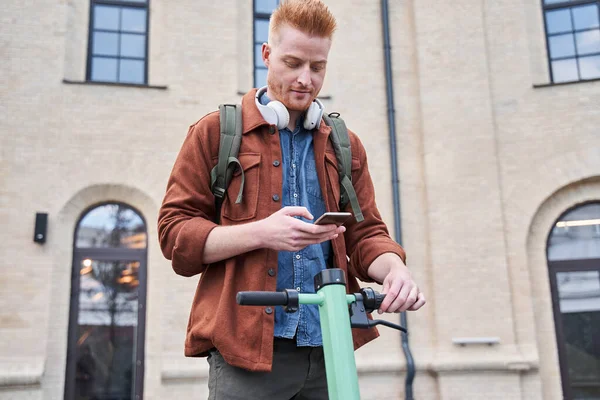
(283, 115)
(313, 116)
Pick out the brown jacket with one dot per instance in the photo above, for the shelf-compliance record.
(244, 335)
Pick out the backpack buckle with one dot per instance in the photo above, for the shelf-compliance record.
(219, 192)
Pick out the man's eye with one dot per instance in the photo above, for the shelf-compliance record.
(292, 65)
(317, 69)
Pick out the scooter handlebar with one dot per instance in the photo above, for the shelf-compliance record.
(262, 298)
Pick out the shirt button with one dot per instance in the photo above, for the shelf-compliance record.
(276, 163)
(269, 310)
(298, 256)
(298, 289)
(271, 272)
(295, 194)
(293, 165)
(275, 197)
(272, 130)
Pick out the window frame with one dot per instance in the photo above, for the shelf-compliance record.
(90, 55)
(592, 264)
(566, 4)
(107, 254)
(257, 16)
(576, 265)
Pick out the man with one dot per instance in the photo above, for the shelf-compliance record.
(268, 242)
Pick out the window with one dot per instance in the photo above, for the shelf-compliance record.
(574, 267)
(573, 39)
(118, 41)
(262, 13)
(105, 358)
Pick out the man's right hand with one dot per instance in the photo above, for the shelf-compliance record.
(282, 232)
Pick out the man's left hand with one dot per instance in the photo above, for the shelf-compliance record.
(402, 293)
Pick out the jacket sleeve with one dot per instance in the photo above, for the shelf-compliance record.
(370, 238)
(186, 216)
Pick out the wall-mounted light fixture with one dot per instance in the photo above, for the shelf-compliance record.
(41, 226)
(463, 341)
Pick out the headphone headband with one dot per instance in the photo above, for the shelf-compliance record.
(276, 113)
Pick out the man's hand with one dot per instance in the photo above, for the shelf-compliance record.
(282, 232)
(401, 291)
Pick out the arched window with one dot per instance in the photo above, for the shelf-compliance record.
(574, 266)
(105, 358)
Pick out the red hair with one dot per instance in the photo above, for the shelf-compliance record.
(309, 16)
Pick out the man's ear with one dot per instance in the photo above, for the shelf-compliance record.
(266, 53)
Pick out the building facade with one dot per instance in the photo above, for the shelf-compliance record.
(496, 115)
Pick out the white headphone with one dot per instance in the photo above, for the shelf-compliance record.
(277, 114)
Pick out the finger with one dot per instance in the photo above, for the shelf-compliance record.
(419, 303)
(302, 242)
(410, 300)
(297, 212)
(400, 300)
(313, 229)
(391, 291)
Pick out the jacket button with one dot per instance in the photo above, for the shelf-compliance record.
(272, 130)
(275, 197)
(271, 272)
(269, 310)
(276, 163)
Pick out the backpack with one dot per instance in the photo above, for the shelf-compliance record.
(229, 147)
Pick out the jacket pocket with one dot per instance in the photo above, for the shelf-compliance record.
(247, 208)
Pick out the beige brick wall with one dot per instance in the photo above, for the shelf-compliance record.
(487, 163)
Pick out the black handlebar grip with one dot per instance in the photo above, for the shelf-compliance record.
(262, 298)
(378, 299)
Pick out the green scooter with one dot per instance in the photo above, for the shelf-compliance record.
(335, 308)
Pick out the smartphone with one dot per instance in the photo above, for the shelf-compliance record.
(337, 218)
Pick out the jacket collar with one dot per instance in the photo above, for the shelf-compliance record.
(251, 116)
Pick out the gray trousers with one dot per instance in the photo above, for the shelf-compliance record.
(298, 373)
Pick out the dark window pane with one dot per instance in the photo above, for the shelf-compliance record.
(133, 20)
(106, 44)
(576, 236)
(586, 17)
(260, 77)
(106, 17)
(258, 61)
(131, 71)
(579, 300)
(265, 6)
(559, 21)
(104, 69)
(107, 329)
(130, 1)
(589, 67)
(261, 27)
(111, 225)
(556, 1)
(564, 71)
(561, 46)
(133, 45)
(588, 42)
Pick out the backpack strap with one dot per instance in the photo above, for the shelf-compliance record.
(229, 147)
(341, 144)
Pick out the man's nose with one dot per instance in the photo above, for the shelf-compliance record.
(304, 77)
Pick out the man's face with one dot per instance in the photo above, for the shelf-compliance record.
(296, 64)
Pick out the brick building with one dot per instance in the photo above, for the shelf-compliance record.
(496, 115)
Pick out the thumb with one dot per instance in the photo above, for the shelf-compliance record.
(297, 212)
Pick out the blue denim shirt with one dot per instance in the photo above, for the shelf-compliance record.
(297, 269)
